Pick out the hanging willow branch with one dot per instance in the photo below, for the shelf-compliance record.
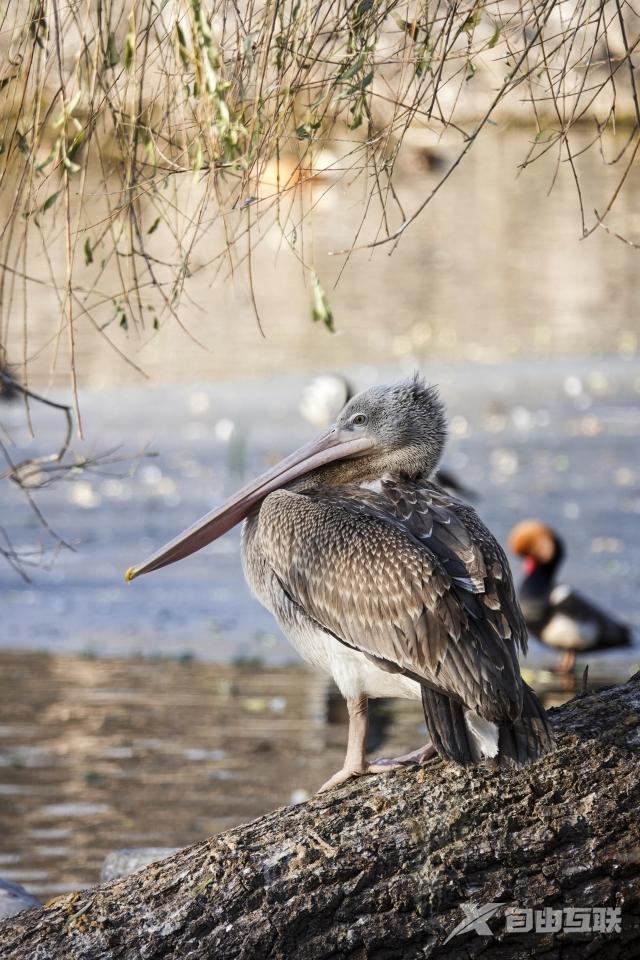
(154, 139)
(35, 473)
(146, 142)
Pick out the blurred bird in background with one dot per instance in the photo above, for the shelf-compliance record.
(555, 613)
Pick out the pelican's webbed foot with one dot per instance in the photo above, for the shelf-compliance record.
(381, 765)
(341, 777)
(386, 764)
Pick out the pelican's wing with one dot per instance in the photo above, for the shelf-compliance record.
(409, 579)
(466, 548)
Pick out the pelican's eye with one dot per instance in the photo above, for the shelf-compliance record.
(359, 419)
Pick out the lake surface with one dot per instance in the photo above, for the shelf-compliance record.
(557, 440)
(494, 269)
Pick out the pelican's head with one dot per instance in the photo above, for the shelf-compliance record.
(405, 424)
(397, 429)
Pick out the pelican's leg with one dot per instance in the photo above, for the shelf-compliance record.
(355, 763)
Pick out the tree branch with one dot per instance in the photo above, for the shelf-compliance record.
(382, 867)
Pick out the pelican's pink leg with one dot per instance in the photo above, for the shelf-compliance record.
(355, 763)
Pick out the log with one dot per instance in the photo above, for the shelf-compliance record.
(391, 866)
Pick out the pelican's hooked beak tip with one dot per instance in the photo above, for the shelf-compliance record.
(130, 574)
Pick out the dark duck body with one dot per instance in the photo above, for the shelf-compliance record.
(388, 583)
(558, 615)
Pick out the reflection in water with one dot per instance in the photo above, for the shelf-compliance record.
(101, 754)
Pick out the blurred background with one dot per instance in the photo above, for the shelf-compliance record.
(158, 713)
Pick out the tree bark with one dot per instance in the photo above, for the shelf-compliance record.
(381, 868)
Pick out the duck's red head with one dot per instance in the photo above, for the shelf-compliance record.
(534, 542)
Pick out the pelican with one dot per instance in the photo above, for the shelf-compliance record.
(391, 585)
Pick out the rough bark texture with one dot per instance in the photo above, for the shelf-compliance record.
(381, 867)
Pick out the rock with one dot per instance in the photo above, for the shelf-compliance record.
(14, 898)
(121, 863)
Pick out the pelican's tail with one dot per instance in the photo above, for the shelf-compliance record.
(466, 738)
(530, 737)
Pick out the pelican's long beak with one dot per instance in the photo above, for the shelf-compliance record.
(323, 450)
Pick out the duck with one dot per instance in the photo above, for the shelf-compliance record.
(557, 614)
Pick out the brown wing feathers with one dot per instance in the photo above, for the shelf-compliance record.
(412, 578)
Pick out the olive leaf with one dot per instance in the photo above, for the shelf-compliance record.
(320, 308)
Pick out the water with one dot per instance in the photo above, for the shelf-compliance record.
(557, 441)
(532, 336)
(99, 754)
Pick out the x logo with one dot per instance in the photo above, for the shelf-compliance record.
(476, 919)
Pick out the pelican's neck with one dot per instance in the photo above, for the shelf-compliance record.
(361, 470)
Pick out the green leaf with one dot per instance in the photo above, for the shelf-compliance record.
(111, 56)
(130, 43)
(320, 309)
(182, 45)
(88, 252)
(197, 158)
(471, 23)
(76, 143)
(156, 323)
(494, 39)
(154, 226)
(150, 150)
(124, 323)
(247, 48)
(70, 166)
(73, 103)
(46, 161)
(423, 63)
(49, 202)
(354, 68)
